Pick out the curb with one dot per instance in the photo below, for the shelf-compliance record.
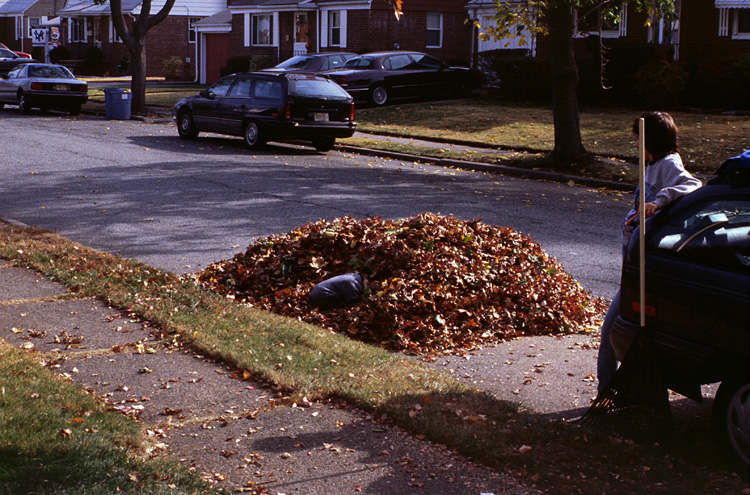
(487, 167)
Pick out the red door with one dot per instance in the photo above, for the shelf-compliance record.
(217, 54)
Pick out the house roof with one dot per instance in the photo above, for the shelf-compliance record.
(15, 6)
(732, 4)
(88, 7)
(275, 4)
(220, 18)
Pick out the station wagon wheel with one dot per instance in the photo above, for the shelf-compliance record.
(185, 125)
(324, 144)
(253, 138)
(731, 418)
(23, 105)
(379, 95)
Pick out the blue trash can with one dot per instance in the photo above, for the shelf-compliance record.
(117, 103)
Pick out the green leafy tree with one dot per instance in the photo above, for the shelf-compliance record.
(135, 40)
(557, 19)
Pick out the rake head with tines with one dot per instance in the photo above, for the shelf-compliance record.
(635, 403)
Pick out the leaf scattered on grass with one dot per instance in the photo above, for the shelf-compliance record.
(433, 284)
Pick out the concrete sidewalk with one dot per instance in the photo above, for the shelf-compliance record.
(233, 431)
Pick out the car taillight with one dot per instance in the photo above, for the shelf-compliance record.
(288, 111)
(343, 81)
(650, 310)
(37, 86)
(351, 117)
(84, 88)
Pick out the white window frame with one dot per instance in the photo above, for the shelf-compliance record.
(439, 29)
(736, 34)
(620, 32)
(113, 37)
(334, 28)
(81, 30)
(19, 27)
(37, 21)
(271, 29)
(325, 27)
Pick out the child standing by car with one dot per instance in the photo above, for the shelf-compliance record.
(665, 180)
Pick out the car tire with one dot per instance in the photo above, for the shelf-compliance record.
(731, 419)
(324, 144)
(253, 136)
(75, 110)
(23, 104)
(379, 95)
(185, 125)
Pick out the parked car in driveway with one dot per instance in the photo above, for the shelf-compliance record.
(20, 54)
(313, 62)
(10, 59)
(44, 86)
(698, 297)
(265, 106)
(381, 76)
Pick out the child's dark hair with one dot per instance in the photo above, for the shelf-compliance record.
(661, 133)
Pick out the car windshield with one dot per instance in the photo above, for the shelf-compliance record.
(50, 71)
(298, 62)
(318, 88)
(7, 53)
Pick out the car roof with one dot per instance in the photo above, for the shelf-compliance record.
(392, 52)
(279, 75)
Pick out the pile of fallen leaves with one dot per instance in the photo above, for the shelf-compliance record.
(433, 284)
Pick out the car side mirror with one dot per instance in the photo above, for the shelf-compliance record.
(207, 93)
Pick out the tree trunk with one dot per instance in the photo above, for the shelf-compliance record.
(568, 144)
(138, 82)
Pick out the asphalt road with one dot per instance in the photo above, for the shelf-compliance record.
(136, 189)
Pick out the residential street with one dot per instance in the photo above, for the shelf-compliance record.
(136, 189)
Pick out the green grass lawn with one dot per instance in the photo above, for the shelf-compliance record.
(706, 140)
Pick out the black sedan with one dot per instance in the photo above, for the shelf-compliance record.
(265, 106)
(44, 86)
(381, 76)
(313, 62)
(698, 298)
(10, 59)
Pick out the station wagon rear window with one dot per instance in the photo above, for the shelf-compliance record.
(317, 88)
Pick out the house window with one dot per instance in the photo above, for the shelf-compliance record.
(741, 24)
(33, 22)
(78, 30)
(587, 23)
(19, 28)
(192, 31)
(334, 28)
(263, 30)
(434, 30)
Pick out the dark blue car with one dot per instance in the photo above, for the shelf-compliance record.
(698, 297)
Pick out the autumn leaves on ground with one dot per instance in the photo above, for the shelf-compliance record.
(433, 284)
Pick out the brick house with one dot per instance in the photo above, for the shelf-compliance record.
(85, 24)
(82, 24)
(703, 30)
(18, 17)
